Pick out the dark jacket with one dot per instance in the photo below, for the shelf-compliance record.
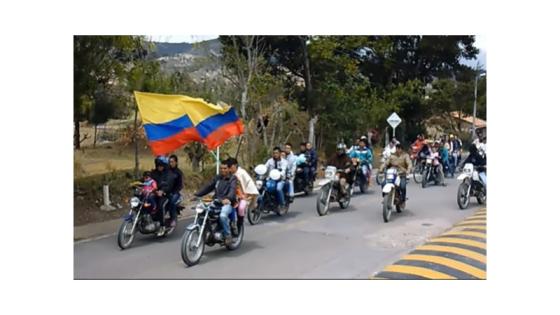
(224, 188)
(179, 180)
(478, 161)
(165, 180)
(341, 162)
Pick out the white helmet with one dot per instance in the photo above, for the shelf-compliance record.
(260, 169)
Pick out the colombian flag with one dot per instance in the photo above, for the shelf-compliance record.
(170, 121)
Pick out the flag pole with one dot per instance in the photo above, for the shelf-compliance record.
(218, 161)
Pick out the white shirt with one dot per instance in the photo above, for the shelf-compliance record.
(281, 165)
(246, 181)
(291, 158)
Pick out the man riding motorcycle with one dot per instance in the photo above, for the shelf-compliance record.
(478, 160)
(224, 186)
(166, 181)
(364, 155)
(342, 162)
(402, 162)
(307, 167)
(277, 162)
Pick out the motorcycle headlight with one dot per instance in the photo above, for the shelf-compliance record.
(429, 161)
(259, 184)
(199, 208)
(134, 202)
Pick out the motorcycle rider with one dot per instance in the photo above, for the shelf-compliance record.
(479, 162)
(312, 159)
(436, 155)
(306, 167)
(291, 172)
(402, 162)
(224, 187)
(176, 190)
(418, 144)
(276, 162)
(364, 155)
(342, 161)
(165, 180)
(455, 151)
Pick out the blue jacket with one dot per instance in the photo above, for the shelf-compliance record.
(364, 155)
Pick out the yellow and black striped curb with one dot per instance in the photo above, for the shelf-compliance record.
(459, 253)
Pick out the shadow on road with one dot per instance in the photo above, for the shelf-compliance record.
(220, 252)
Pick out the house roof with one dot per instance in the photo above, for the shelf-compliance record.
(466, 118)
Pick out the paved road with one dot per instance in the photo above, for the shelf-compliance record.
(350, 243)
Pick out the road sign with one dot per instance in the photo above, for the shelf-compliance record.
(394, 120)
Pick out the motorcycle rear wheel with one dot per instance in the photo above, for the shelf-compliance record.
(122, 239)
(191, 255)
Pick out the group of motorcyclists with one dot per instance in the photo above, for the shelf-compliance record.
(235, 189)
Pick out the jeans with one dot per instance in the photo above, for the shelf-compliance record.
(173, 198)
(365, 171)
(280, 192)
(290, 183)
(403, 187)
(224, 218)
(307, 174)
(482, 176)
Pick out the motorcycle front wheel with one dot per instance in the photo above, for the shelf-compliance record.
(417, 173)
(125, 236)
(463, 197)
(425, 175)
(189, 252)
(387, 207)
(345, 204)
(379, 178)
(322, 200)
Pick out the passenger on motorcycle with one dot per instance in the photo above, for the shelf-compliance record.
(365, 157)
(246, 188)
(149, 186)
(312, 159)
(436, 155)
(402, 162)
(479, 162)
(307, 171)
(224, 187)
(292, 166)
(175, 194)
(277, 162)
(342, 162)
(165, 179)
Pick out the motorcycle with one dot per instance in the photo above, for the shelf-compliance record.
(206, 229)
(431, 172)
(380, 176)
(362, 180)
(392, 194)
(471, 185)
(266, 201)
(141, 218)
(330, 191)
(300, 183)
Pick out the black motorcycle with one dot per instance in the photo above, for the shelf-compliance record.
(300, 183)
(431, 171)
(141, 218)
(206, 229)
(266, 201)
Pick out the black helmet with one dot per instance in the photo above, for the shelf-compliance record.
(161, 161)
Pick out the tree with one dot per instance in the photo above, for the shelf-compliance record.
(99, 61)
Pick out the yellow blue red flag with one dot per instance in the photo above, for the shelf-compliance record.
(170, 121)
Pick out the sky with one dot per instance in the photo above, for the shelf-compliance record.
(480, 42)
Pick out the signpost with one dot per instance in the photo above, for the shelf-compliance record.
(394, 120)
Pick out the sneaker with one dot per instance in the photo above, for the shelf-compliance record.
(173, 223)
(161, 231)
